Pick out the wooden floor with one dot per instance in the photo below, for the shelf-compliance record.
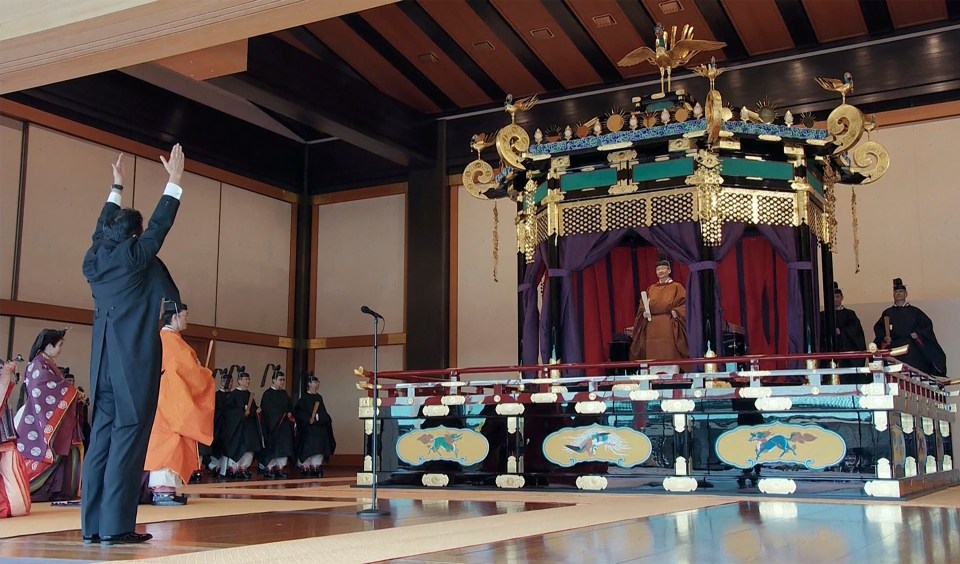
(735, 530)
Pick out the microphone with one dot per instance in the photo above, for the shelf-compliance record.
(368, 311)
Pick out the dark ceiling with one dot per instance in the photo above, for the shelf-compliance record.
(359, 98)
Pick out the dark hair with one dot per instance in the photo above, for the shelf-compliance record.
(46, 337)
(312, 378)
(278, 374)
(123, 224)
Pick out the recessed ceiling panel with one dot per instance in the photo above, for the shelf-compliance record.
(437, 66)
(606, 23)
(760, 25)
(357, 53)
(481, 43)
(905, 13)
(531, 20)
(835, 20)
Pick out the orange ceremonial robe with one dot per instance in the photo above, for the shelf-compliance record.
(663, 337)
(184, 412)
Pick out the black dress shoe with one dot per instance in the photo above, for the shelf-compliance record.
(196, 477)
(91, 539)
(168, 499)
(125, 538)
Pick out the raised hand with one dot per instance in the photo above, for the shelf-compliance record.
(175, 165)
(118, 170)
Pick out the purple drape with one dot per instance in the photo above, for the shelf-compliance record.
(530, 353)
(576, 253)
(681, 242)
(784, 240)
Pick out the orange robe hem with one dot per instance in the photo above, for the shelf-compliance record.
(184, 411)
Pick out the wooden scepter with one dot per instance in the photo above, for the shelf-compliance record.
(209, 353)
(316, 406)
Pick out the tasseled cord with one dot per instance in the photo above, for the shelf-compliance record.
(496, 240)
(856, 237)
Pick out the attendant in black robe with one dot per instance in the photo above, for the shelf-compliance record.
(277, 426)
(241, 430)
(128, 283)
(316, 430)
(220, 404)
(848, 335)
(908, 325)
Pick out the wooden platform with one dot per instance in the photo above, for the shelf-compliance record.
(444, 525)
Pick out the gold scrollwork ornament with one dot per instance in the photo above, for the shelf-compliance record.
(512, 143)
(871, 160)
(478, 178)
(845, 124)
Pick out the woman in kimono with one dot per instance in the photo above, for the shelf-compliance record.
(14, 484)
(49, 436)
(316, 430)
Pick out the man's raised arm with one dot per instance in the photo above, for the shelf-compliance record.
(166, 211)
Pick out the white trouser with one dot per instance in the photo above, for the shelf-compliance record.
(278, 462)
(245, 461)
(164, 478)
(315, 460)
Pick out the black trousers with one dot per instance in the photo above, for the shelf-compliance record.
(113, 466)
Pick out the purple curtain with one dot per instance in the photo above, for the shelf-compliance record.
(576, 253)
(530, 353)
(783, 238)
(680, 241)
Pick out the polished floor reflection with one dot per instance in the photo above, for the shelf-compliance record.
(746, 531)
(604, 528)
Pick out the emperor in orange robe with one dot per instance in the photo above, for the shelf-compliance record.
(661, 335)
(184, 412)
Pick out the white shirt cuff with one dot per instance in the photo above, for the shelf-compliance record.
(114, 197)
(173, 190)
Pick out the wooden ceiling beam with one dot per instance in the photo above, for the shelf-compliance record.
(309, 91)
(43, 41)
(212, 62)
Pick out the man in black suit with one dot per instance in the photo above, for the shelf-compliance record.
(128, 283)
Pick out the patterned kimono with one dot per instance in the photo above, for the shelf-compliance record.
(14, 484)
(49, 436)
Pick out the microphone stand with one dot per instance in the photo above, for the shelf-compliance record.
(374, 512)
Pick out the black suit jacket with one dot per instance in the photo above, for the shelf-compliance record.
(128, 283)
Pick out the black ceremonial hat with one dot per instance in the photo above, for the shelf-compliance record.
(898, 284)
(836, 289)
(173, 306)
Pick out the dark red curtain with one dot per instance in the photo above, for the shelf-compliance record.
(753, 285)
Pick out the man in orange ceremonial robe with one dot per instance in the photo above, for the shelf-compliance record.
(184, 412)
(660, 333)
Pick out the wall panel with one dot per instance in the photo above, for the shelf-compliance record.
(190, 250)
(68, 181)
(360, 261)
(487, 309)
(253, 283)
(338, 386)
(11, 138)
